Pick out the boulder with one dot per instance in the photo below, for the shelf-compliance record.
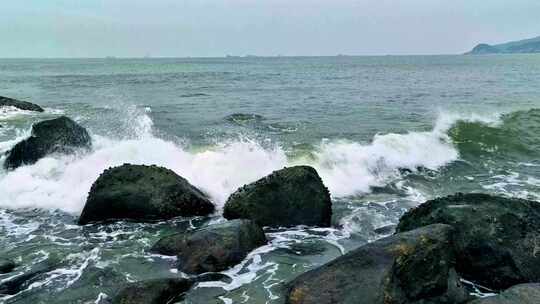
(59, 135)
(157, 291)
(142, 193)
(288, 197)
(19, 104)
(412, 267)
(6, 266)
(497, 239)
(519, 294)
(213, 248)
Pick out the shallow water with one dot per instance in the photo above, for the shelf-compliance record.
(384, 133)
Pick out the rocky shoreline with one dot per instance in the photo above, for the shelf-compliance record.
(487, 240)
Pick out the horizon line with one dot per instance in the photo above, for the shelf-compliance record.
(112, 57)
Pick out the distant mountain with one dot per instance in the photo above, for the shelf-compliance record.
(521, 46)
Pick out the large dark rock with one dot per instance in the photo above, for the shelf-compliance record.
(213, 248)
(412, 267)
(59, 135)
(158, 291)
(142, 193)
(6, 266)
(519, 294)
(497, 239)
(19, 104)
(288, 197)
(20, 282)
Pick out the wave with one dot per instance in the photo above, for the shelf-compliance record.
(513, 136)
(346, 167)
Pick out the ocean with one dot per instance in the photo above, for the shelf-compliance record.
(385, 134)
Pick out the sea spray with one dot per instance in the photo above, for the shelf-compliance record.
(346, 167)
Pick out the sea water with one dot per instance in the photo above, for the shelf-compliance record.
(384, 133)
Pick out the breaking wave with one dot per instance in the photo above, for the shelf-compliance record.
(347, 167)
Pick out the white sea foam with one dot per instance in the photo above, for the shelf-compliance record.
(62, 182)
(347, 168)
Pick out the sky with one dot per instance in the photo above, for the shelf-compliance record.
(214, 28)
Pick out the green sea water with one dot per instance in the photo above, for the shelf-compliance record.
(384, 133)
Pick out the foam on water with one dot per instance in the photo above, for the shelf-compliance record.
(7, 113)
(346, 167)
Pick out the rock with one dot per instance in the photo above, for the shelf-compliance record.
(385, 230)
(213, 277)
(288, 197)
(497, 239)
(157, 291)
(19, 104)
(20, 282)
(94, 286)
(6, 266)
(412, 267)
(59, 135)
(142, 193)
(243, 118)
(519, 294)
(213, 248)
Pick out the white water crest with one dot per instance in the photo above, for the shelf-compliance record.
(346, 167)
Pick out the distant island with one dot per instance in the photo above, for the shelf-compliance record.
(515, 47)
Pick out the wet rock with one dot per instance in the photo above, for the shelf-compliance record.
(206, 295)
(497, 239)
(213, 277)
(19, 104)
(213, 248)
(59, 135)
(6, 266)
(20, 282)
(519, 294)
(288, 197)
(412, 267)
(142, 193)
(157, 291)
(243, 118)
(92, 287)
(385, 230)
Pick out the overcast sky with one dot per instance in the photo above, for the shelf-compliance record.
(178, 28)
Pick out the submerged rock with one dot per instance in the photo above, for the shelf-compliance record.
(412, 267)
(59, 135)
(6, 266)
(20, 282)
(158, 291)
(213, 277)
(213, 248)
(19, 104)
(519, 294)
(497, 239)
(288, 197)
(85, 290)
(243, 118)
(142, 193)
